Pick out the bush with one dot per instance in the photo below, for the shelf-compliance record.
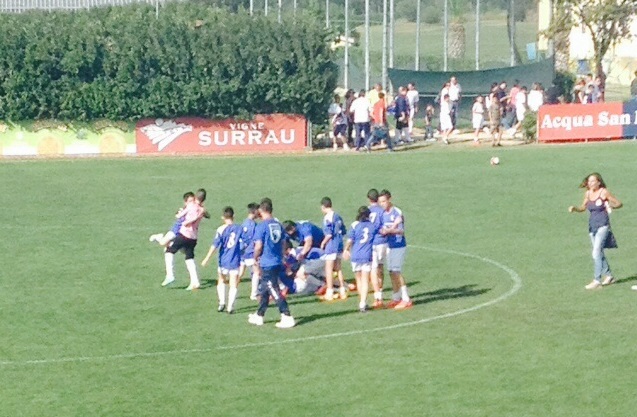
(432, 15)
(121, 63)
(529, 126)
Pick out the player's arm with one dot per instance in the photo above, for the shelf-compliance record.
(612, 200)
(211, 251)
(325, 240)
(307, 247)
(579, 209)
(347, 249)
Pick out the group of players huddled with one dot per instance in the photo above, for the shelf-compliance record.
(295, 257)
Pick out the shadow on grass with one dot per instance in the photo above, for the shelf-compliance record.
(442, 294)
(629, 279)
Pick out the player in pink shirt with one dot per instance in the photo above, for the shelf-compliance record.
(186, 240)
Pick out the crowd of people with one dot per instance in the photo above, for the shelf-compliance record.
(295, 257)
(360, 120)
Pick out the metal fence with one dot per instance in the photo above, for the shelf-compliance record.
(19, 6)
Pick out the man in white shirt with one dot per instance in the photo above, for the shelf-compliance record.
(455, 92)
(412, 99)
(360, 110)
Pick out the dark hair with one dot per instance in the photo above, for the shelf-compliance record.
(363, 214)
(266, 205)
(584, 183)
(253, 208)
(385, 193)
(188, 195)
(372, 195)
(381, 95)
(326, 202)
(201, 195)
(288, 225)
(228, 212)
(361, 93)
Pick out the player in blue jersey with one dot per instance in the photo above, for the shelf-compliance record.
(304, 233)
(359, 250)
(394, 229)
(380, 249)
(165, 238)
(247, 244)
(332, 244)
(268, 256)
(227, 242)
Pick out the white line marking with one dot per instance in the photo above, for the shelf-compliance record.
(517, 284)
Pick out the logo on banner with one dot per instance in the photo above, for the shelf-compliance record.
(164, 132)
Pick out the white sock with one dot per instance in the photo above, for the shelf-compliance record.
(192, 271)
(221, 292)
(255, 284)
(329, 293)
(169, 259)
(378, 295)
(404, 294)
(396, 296)
(362, 304)
(232, 295)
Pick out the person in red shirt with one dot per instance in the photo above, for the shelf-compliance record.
(379, 124)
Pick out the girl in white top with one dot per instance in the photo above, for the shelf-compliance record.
(477, 118)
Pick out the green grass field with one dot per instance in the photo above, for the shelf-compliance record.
(502, 325)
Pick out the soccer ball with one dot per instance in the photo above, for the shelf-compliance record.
(495, 160)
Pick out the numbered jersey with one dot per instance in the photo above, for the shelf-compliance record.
(394, 219)
(227, 241)
(376, 217)
(306, 230)
(270, 234)
(362, 236)
(333, 226)
(247, 238)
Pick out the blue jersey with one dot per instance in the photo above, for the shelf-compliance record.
(376, 217)
(333, 226)
(227, 241)
(389, 219)
(305, 230)
(177, 225)
(270, 234)
(362, 236)
(247, 238)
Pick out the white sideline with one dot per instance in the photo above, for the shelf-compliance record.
(514, 276)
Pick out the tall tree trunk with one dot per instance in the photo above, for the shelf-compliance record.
(511, 20)
(457, 40)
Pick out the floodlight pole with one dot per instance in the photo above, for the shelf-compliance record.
(384, 54)
(327, 13)
(346, 59)
(417, 58)
(445, 37)
(367, 45)
(477, 35)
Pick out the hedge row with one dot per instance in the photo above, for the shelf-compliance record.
(121, 63)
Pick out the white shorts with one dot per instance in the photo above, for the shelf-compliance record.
(396, 258)
(520, 112)
(361, 267)
(227, 272)
(476, 121)
(445, 122)
(248, 262)
(332, 256)
(379, 255)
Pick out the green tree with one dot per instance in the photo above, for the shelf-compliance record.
(608, 22)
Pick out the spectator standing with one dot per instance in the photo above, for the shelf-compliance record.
(477, 118)
(429, 119)
(360, 110)
(380, 131)
(455, 93)
(446, 126)
(535, 98)
(495, 118)
(412, 98)
(374, 94)
(633, 87)
(402, 116)
(350, 96)
(338, 119)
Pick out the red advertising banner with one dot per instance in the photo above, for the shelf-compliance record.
(582, 122)
(191, 135)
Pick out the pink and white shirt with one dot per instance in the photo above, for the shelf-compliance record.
(193, 213)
